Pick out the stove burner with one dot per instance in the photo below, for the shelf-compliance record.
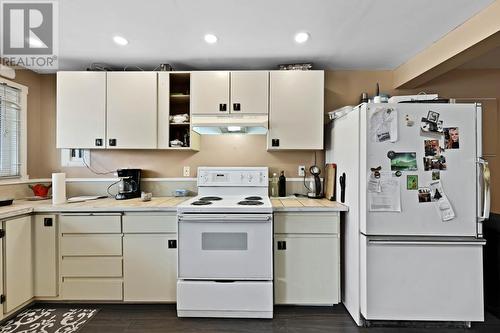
(210, 199)
(253, 198)
(201, 203)
(250, 203)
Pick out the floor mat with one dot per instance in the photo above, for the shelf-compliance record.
(59, 320)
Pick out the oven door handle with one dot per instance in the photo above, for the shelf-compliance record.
(222, 217)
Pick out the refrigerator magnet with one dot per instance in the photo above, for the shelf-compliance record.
(411, 182)
(406, 161)
(451, 138)
(436, 175)
(424, 194)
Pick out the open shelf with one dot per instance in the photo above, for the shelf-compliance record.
(179, 100)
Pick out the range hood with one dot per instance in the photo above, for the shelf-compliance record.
(230, 124)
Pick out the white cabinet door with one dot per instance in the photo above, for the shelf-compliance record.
(81, 110)
(306, 269)
(296, 110)
(210, 93)
(250, 92)
(18, 263)
(45, 255)
(149, 267)
(131, 110)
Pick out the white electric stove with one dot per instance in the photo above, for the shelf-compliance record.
(225, 251)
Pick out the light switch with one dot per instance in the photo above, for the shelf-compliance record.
(186, 171)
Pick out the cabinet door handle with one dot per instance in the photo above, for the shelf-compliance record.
(281, 245)
(98, 142)
(223, 107)
(236, 107)
(275, 142)
(48, 222)
(172, 243)
(112, 142)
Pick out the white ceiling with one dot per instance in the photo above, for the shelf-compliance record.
(255, 34)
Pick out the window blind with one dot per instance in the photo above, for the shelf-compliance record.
(10, 131)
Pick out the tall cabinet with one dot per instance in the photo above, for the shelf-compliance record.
(296, 110)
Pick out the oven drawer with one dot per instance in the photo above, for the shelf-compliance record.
(214, 299)
(228, 250)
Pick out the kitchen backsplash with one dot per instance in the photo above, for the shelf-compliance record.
(159, 187)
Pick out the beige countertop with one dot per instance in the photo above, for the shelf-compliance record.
(291, 204)
(157, 204)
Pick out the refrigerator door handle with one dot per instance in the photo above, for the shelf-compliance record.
(402, 242)
(485, 172)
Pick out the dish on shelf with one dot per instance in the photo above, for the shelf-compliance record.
(179, 118)
(176, 143)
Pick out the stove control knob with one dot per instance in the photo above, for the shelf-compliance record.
(250, 177)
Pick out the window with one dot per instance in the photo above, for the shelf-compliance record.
(12, 124)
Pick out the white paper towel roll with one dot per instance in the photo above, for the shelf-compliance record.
(58, 188)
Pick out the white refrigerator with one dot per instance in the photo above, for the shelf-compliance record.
(411, 253)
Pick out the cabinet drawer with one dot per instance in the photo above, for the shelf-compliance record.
(150, 223)
(91, 245)
(90, 224)
(91, 267)
(306, 223)
(92, 289)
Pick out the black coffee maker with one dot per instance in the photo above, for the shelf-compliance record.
(129, 185)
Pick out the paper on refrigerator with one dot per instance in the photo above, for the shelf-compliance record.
(384, 125)
(386, 197)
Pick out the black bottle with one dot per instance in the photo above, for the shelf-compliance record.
(282, 185)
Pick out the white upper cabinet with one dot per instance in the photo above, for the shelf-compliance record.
(250, 92)
(131, 110)
(296, 110)
(210, 93)
(81, 110)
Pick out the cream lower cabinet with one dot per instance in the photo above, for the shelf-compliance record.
(149, 258)
(306, 258)
(18, 263)
(91, 257)
(45, 256)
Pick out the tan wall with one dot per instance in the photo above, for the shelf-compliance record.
(341, 88)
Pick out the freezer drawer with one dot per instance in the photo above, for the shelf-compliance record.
(421, 280)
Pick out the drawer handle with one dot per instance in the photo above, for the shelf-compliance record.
(172, 243)
(222, 107)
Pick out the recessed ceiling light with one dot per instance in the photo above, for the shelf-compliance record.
(120, 40)
(301, 37)
(210, 38)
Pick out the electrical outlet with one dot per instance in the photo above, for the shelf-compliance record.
(186, 171)
(302, 170)
(75, 157)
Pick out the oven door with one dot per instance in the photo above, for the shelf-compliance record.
(225, 246)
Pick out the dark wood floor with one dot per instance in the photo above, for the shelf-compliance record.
(125, 318)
